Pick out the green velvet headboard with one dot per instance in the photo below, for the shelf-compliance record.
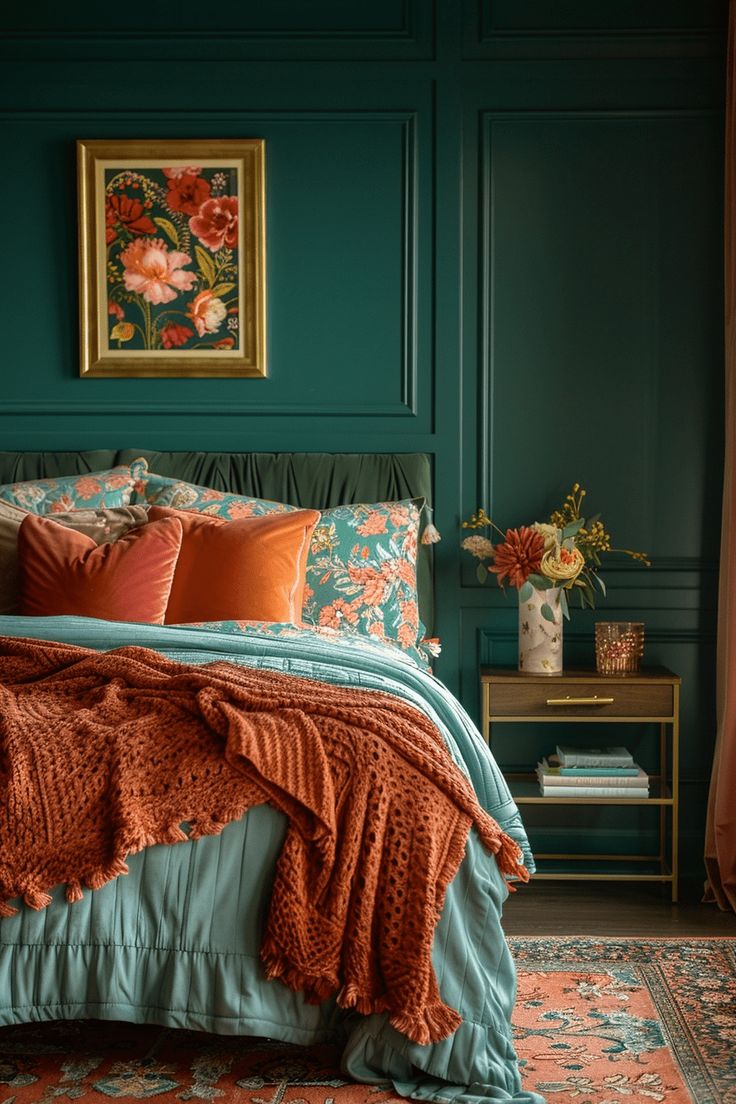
(314, 480)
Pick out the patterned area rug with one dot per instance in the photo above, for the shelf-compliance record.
(625, 1021)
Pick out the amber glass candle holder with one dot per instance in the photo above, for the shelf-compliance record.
(619, 646)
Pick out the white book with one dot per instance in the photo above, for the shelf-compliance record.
(570, 756)
(594, 791)
(549, 777)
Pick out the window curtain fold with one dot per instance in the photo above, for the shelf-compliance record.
(720, 835)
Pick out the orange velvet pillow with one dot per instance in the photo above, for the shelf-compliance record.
(252, 569)
(65, 572)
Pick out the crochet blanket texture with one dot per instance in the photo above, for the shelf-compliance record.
(103, 754)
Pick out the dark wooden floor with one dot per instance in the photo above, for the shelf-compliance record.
(612, 909)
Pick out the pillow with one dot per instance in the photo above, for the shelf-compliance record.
(67, 492)
(251, 569)
(362, 572)
(354, 640)
(160, 490)
(100, 525)
(65, 572)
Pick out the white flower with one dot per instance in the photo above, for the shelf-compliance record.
(549, 533)
(480, 547)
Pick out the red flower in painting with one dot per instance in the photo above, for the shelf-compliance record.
(520, 556)
(173, 335)
(216, 224)
(187, 193)
(226, 343)
(122, 212)
(115, 310)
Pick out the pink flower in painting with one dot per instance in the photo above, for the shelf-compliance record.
(187, 193)
(178, 171)
(174, 335)
(216, 224)
(155, 273)
(115, 310)
(207, 313)
(123, 212)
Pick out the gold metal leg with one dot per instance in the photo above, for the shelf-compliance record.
(485, 711)
(675, 791)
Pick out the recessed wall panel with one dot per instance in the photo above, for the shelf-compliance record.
(600, 280)
(341, 263)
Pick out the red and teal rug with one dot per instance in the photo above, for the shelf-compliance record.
(627, 1020)
(624, 1021)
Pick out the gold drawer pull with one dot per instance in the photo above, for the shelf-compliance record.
(595, 700)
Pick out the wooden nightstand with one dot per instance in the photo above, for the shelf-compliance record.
(652, 696)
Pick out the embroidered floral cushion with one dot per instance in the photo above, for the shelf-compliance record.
(161, 490)
(362, 572)
(92, 490)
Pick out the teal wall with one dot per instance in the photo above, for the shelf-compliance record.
(494, 234)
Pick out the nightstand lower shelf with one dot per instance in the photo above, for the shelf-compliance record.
(525, 791)
(607, 868)
(562, 703)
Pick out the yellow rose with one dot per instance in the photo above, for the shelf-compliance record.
(562, 566)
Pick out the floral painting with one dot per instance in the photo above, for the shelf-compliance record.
(172, 258)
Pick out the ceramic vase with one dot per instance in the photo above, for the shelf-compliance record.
(540, 640)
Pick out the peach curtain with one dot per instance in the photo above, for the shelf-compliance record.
(720, 835)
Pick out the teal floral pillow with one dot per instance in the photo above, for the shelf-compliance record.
(90, 491)
(362, 567)
(362, 572)
(161, 490)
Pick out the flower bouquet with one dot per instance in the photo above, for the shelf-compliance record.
(545, 562)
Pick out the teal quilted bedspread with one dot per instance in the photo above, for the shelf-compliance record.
(176, 942)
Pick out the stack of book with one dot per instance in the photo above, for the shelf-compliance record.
(591, 772)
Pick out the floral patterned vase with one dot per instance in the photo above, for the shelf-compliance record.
(540, 640)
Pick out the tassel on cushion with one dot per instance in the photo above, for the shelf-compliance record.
(431, 533)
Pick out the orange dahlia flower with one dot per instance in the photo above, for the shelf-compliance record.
(519, 556)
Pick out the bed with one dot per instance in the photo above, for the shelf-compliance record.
(177, 941)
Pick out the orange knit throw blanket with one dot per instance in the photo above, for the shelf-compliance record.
(103, 754)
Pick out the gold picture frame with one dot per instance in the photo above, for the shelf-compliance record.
(172, 265)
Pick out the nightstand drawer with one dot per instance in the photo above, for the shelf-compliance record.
(555, 698)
